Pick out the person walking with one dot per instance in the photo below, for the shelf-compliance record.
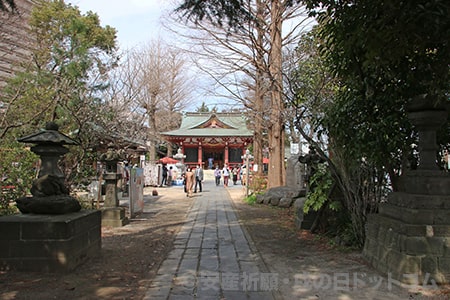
(183, 176)
(198, 178)
(189, 182)
(169, 176)
(217, 175)
(226, 175)
(164, 175)
(235, 175)
(244, 175)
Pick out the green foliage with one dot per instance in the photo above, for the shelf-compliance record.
(232, 12)
(385, 54)
(69, 66)
(17, 171)
(320, 184)
(381, 54)
(251, 199)
(71, 50)
(406, 42)
(312, 83)
(203, 108)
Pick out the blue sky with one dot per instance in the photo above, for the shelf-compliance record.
(137, 22)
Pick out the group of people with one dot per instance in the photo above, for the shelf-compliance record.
(235, 174)
(192, 180)
(166, 176)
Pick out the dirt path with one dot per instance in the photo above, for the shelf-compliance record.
(309, 268)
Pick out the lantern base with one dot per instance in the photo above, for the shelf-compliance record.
(49, 243)
(53, 205)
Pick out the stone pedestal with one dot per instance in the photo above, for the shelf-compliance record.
(114, 217)
(302, 220)
(410, 236)
(49, 243)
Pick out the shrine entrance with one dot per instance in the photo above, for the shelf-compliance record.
(211, 139)
(213, 157)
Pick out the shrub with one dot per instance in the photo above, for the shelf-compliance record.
(17, 171)
(251, 199)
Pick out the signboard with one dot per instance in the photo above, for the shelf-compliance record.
(136, 191)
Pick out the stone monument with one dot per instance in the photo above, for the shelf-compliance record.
(308, 162)
(409, 238)
(295, 172)
(52, 234)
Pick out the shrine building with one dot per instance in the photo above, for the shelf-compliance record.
(211, 139)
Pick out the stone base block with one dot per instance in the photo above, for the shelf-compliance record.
(420, 182)
(302, 220)
(49, 243)
(114, 217)
(409, 253)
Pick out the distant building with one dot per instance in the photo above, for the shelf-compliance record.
(15, 43)
(15, 40)
(211, 139)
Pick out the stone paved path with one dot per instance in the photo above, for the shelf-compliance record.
(212, 257)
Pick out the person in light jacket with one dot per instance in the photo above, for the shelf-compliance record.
(226, 175)
(217, 175)
(198, 178)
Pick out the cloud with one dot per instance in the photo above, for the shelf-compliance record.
(109, 10)
(136, 21)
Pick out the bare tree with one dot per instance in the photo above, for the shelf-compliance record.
(153, 86)
(246, 61)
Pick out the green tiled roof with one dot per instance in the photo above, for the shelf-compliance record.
(230, 124)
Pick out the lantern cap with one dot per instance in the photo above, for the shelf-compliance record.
(50, 135)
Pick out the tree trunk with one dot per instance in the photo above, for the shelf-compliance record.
(258, 143)
(276, 175)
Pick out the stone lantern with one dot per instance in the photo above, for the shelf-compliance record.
(180, 157)
(50, 195)
(53, 233)
(112, 214)
(409, 237)
(110, 159)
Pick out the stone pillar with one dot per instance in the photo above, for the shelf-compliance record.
(200, 154)
(409, 238)
(111, 199)
(226, 154)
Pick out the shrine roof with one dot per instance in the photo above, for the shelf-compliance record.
(212, 124)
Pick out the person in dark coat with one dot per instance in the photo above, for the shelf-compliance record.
(164, 175)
